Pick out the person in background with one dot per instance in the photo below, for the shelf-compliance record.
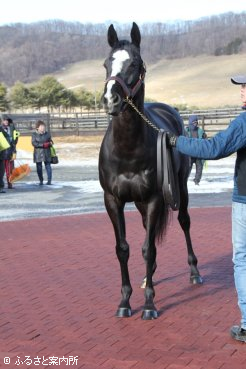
(10, 153)
(41, 141)
(223, 144)
(1, 175)
(195, 132)
(3, 145)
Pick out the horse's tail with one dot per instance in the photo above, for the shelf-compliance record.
(162, 220)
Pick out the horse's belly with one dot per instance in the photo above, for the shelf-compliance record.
(135, 188)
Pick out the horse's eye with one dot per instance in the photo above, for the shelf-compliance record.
(135, 65)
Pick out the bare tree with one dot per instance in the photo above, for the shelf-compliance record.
(29, 51)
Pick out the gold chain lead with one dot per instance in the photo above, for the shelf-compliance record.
(130, 102)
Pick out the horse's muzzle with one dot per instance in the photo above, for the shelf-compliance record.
(113, 105)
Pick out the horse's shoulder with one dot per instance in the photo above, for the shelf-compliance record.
(164, 116)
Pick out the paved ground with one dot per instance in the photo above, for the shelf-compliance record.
(60, 287)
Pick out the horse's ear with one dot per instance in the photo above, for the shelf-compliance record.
(112, 36)
(135, 35)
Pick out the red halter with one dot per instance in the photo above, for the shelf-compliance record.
(129, 92)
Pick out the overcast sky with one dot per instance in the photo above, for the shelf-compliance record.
(126, 11)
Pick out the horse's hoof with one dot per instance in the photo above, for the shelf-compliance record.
(196, 279)
(124, 313)
(149, 314)
(143, 285)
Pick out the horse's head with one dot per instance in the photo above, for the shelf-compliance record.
(125, 70)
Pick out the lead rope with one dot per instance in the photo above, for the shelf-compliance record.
(130, 102)
(166, 177)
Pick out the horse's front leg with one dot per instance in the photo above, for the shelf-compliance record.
(115, 210)
(142, 208)
(149, 255)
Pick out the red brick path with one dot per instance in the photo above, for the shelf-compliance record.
(60, 287)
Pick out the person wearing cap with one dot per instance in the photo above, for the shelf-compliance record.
(196, 132)
(9, 154)
(223, 144)
(4, 145)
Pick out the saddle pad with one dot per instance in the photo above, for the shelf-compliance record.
(164, 117)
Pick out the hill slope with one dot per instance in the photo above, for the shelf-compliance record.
(202, 81)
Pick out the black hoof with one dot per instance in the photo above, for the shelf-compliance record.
(149, 314)
(124, 313)
(196, 279)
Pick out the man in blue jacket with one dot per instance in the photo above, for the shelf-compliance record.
(223, 144)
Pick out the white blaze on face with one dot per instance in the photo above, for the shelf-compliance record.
(119, 57)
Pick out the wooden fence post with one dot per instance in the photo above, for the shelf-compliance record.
(77, 124)
(203, 122)
(48, 122)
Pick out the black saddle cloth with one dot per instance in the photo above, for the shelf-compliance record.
(165, 117)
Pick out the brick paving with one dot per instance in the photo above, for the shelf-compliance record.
(60, 287)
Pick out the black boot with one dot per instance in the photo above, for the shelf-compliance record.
(238, 333)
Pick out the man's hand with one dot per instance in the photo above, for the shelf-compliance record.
(171, 139)
(46, 145)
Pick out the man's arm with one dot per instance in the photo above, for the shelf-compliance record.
(221, 145)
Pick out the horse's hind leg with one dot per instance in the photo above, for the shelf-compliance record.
(116, 213)
(184, 221)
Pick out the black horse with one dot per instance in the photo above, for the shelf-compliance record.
(128, 164)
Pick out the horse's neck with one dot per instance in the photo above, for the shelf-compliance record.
(128, 129)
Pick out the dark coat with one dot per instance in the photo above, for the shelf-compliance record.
(9, 135)
(40, 154)
(200, 132)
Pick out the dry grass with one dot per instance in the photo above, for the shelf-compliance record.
(78, 147)
(79, 139)
(202, 81)
(86, 74)
(69, 147)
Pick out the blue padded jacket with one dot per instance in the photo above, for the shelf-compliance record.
(223, 144)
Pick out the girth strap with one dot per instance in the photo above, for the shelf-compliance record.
(167, 178)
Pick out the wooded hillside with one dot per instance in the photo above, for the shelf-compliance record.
(29, 51)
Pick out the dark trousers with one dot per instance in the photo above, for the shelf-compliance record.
(199, 167)
(40, 171)
(2, 170)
